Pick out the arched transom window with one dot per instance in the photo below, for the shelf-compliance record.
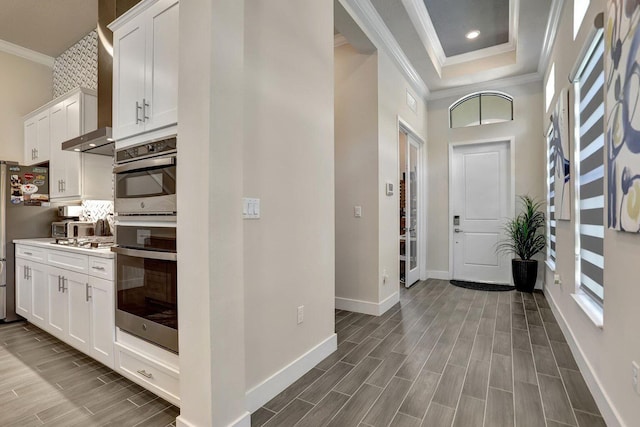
(481, 108)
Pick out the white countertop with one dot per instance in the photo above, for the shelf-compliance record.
(49, 243)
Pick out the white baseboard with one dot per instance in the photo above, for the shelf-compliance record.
(607, 409)
(243, 421)
(367, 307)
(272, 386)
(440, 275)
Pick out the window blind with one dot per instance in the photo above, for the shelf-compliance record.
(551, 209)
(590, 173)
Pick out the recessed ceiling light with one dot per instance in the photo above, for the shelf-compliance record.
(472, 34)
(76, 149)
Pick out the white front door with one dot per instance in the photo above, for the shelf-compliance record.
(481, 201)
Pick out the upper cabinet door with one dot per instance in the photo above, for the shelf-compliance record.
(128, 79)
(57, 164)
(30, 141)
(161, 77)
(145, 68)
(42, 150)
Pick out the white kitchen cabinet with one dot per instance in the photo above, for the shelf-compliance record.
(72, 175)
(145, 68)
(79, 332)
(23, 289)
(31, 291)
(39, 294)
(36, 138)
(102, 313)
(70, 295)
(82, 308)
(58, 316)
(71, 117)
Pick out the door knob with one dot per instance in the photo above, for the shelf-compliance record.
(457, 230)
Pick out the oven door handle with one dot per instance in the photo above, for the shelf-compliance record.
(165, 256)
(145, 164)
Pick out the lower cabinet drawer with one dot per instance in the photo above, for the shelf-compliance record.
(154, 377)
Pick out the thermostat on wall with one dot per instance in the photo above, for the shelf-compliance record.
(389, 188)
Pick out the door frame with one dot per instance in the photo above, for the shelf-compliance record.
(512, 206)
(423, 201)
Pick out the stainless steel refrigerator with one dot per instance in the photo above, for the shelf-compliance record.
(25, 212)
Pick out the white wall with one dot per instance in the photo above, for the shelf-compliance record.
(392, 105)
(25, 86)
(356, 173)
(529, 159)
(605, 355)
(210, 268)
(371, 96)
(289, 253)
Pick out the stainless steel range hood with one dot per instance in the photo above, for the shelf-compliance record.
(98, 141)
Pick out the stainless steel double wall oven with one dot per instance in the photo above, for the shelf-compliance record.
(146, 256)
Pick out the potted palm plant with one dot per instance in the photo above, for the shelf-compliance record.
(525, 237)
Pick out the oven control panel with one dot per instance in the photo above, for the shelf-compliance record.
(148, 149)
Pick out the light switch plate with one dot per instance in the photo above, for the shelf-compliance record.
(389, 188)
(250, 208)
(357, 211)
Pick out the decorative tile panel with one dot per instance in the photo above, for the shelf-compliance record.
(93, 210)
(77, 66)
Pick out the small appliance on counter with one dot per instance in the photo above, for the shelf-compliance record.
(72, 229)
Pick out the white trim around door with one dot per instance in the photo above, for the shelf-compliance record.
(423, 201)
(512, 188)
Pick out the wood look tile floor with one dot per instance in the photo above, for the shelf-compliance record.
(46, 382)
(443, 356)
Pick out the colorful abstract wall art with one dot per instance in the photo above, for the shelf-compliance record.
(622, 129)
(561, 153)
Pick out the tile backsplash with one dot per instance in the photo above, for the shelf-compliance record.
(93, 210)
(77, 66)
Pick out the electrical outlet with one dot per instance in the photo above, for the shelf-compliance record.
(300, 314)
(385, 276)
(357, 211)
(557, 280)
(634, 376)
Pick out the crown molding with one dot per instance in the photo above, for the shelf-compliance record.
(25, 53)
(339, 40)
(419, 16)
(550, 34)
(365, 15)
(421, 20)
(498, 84)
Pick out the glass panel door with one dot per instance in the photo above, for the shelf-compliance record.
(413, 273)
(409, 190)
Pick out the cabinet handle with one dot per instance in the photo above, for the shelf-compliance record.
(33, 153)
(98, 268)
(145, 104)
(138, 108)
(86, 292)
(145, 373)
(64, 185)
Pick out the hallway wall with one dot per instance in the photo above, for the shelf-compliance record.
(356, 163)
(605, 354)
(371, 96)
(289, 253)
(529, 160)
